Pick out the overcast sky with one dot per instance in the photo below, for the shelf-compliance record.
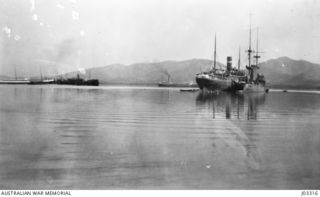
(67, 34)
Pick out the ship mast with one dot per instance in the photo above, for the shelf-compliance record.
(15, 73)
(215, 53)
(41, 77)
(257, 53)
(250, 67)
(250, 51)
(239, 60)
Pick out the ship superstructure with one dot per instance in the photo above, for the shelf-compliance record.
(230, 79)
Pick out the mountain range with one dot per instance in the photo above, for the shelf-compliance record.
(281, 72)
(152, 73)
(284, 72)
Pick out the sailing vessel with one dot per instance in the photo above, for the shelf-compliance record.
(231, 79)
(256, 81)
(23, 81)
(167, 83)
(42, 81)
(16, 80)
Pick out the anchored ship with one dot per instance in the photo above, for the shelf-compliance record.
(231, 79)
(15, 81)
(43, 80)
(77, 81)
(23, 81)
(169, 83)
(256, 81)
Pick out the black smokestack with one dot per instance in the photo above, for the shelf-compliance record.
(165, 72)
(229, 63)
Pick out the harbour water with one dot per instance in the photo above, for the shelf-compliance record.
(61, 137)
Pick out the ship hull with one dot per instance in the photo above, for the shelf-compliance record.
(43, 82)
(14, 82)
(176, 85)
(219, 84)
(78, 81)
(254, 88)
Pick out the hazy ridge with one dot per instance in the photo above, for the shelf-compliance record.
(280, 72)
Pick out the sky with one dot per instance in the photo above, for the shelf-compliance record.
(59, 36)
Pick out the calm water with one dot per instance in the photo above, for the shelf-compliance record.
(58, 137)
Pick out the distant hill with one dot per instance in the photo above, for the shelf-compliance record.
(282, 72)
(151, 73)
(5, 77)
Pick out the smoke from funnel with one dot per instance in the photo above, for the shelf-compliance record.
(82, 71)
(66, 48)
(67, 55)
(165, 72)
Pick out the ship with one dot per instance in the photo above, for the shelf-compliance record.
(169, 83)
(256, 81)
(231, 79)
(42, 81)
(15, 81)
(77, 81)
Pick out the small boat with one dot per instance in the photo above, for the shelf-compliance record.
(189, 90)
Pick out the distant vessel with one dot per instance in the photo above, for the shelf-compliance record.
(176, 85)
(231, 79)
(24, 81)
(41, 81)
(77, 81)
(169, 83)
(15, 81)
(256, 82)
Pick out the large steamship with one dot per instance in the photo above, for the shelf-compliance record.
(230, 79)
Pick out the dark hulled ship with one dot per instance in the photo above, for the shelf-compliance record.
(231, 79)
(77, 81)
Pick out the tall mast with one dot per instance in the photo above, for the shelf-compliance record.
(257, 52)
(41, 73)
(215, 53)
(249, 51)
(239, 60)
(15, 73)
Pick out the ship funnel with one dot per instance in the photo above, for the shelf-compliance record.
(229, 63)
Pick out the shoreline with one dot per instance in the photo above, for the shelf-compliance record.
(146, 86)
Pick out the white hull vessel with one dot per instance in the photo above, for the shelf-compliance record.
(14, 81)
(254, 88)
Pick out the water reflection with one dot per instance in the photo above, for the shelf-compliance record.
(229, 110)
(254, 101)
(79, 138)
(232, 104)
